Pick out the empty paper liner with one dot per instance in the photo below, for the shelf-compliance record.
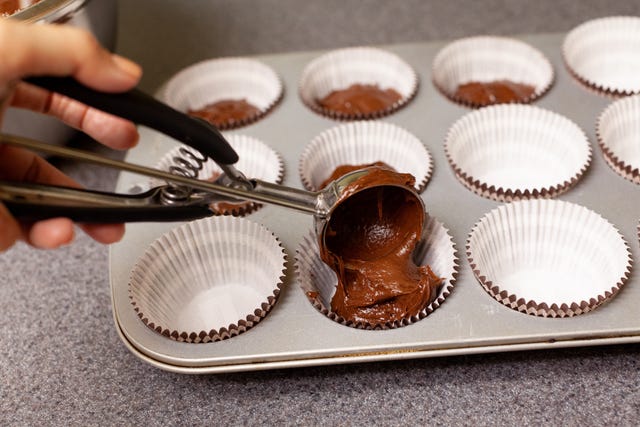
(364, 143)
(513, 152)
(318, 281)
(604, 54)
(208, 280)
(373, 68)
(246, 89)
(256, 160)
(618, 130)
(548, 258)
(462, 70)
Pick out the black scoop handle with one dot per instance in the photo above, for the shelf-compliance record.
(31, 212)
(34, 202)
(145, 110)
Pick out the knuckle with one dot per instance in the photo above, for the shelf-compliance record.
(85, 41)
(11, 58)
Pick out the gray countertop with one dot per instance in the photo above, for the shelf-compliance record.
(62, 362)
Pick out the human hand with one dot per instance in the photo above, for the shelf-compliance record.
(57, 50)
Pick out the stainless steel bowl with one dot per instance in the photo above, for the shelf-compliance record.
(97, 16)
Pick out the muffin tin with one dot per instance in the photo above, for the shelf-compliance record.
(469, 320)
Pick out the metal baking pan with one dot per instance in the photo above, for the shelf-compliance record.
(470, 321)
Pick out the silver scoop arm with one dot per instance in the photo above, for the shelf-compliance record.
(37, 201)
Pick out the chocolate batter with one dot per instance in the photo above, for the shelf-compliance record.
(360, 99)
(345, 169)
(227, 113)
(9, 7)
(496, 92)
(369, 243)
(229, 207)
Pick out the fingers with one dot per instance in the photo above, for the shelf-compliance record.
(110, 130)
(58, 50)
(50, 233)
(56, 232)
(104, 233)
(17, 164)
(62, 51)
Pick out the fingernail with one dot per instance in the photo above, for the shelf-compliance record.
(128, 66)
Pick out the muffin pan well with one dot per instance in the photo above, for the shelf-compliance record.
(469, 320)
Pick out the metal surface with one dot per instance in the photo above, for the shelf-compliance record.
(469, 320)
(50, 11)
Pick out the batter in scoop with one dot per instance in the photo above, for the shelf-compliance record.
(369, 243)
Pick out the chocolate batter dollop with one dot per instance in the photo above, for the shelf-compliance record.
(345, 169)
(230, 207)
(369, 243)
(227, 113)
(360, 99)
(496, 92)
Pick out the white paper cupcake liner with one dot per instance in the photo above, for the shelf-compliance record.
(618, 130)
(361, 143)
(318, 281)
(339, 69)
(221, 79)
(208, 280)
(604, 54)
(513, 152)
(548, 258)
(488, 59)
(256, 160)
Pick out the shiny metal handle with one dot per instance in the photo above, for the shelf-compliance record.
(263, 192)
(317, 204)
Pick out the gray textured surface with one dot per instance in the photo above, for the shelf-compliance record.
(62, 363)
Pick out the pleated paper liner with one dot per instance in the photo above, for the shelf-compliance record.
(618, 130)
(256, 160)
(225, 79)
(318, 281)
(548, 258)
(208, 280)
(342, 68)
(604, 55)
(513, 152)
(489, 59)
(363, 143)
